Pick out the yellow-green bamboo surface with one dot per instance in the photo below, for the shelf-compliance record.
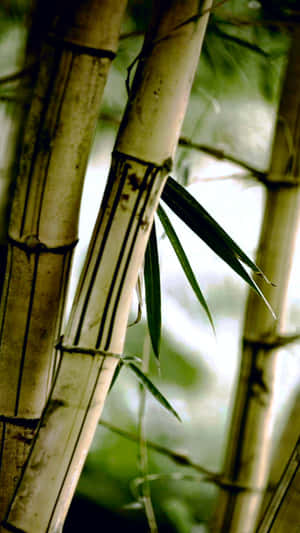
(96, 329)
(78, 48)
(249, 444)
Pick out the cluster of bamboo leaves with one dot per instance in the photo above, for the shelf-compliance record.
(191, 212)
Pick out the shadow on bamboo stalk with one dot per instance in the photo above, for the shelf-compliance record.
(77, 50)
(141, 160)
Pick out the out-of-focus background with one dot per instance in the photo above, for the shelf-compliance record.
(232, 108)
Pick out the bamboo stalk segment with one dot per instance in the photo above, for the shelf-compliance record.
(249, 444)
(101, 306)
(282, 513)
(283, 447)
(44, 218)
(43, 226)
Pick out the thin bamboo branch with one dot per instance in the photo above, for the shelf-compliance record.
(141, 160)
(248, 452)
(217, 153)
(77, 50)
(181, 459)
(143, 452)
(221, 154)
(178, 457)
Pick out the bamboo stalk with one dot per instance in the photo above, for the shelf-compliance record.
(283, 447)
(282, 513)
(13, 113)
(75, 58)
(248, 453)
(141, 160)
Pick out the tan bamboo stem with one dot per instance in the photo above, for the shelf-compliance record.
(283, 447)
(141, 160)
(248, 453)
(75, 58)
(12, 115)
(282, 514)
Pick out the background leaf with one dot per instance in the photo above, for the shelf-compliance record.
(153, 390)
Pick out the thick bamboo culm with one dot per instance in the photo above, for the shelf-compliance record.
(77, 51)
(97, 325)
(249, 445)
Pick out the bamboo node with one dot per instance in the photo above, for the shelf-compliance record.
(70, 348)
(80, 48)
(32, 244)
(275, 180)
(30, 423)
(270, 343)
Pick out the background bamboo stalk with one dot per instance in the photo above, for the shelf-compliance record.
(13, 112)
(80, 41)
(248, 453)
(282, 513)
(283, 447)
(98, 321)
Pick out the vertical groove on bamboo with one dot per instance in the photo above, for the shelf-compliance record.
(75, 58)
(142, 157)
(249, 444)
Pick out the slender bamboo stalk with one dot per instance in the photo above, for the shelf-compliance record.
(141, 160)
(282, 513)
(77, 51)
(12, 113)
(283, 448)
(248, 453)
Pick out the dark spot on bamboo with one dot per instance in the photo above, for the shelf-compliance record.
(52, 406)
(27, 439)
(134, 181)
(145, 224)
(124, 200)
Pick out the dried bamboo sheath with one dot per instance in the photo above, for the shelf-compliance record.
(44, 218)
(100, 311)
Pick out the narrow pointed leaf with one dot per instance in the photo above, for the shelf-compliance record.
(174, 240)
(116, 375)
(199, 220)
(152, 290)
(153, 389)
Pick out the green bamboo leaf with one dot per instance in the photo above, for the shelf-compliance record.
(152, 290)
(199, 220)
(153, 389)
(171, 234)
(192, 213)
(116, 375)
(125, 359)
